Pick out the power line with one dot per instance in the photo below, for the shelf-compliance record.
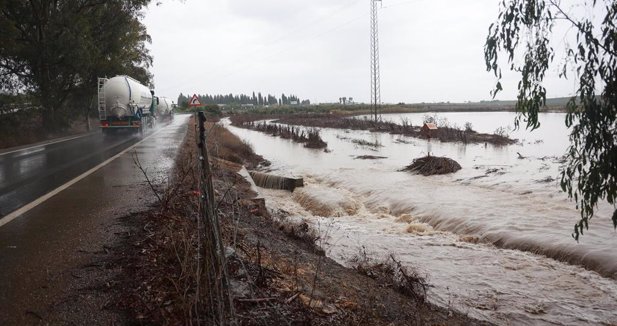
(375, 78)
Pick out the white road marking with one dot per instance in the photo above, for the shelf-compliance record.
(45, 144)
(17, 213)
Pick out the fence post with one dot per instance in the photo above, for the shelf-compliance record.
(214, 265)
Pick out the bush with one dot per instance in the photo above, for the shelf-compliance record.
(431, 165)
(391, 273)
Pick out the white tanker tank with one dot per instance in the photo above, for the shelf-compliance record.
(125, 95)
(164, 107)
(124, 103)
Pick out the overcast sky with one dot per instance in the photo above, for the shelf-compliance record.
(431, 50)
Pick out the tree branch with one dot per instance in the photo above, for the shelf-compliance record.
(143, 171)
(581, 29)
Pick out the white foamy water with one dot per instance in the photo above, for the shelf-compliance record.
(494, 238)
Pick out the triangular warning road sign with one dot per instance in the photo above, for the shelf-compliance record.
(194, 101)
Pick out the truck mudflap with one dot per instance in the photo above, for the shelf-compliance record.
(111, 126)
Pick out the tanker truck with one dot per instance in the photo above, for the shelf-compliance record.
(164, 108)
(124, 103)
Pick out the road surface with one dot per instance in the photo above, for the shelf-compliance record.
(45, 251)
(29, 173)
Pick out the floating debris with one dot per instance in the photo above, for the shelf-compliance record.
(369, 157)
(432, 165)
(496, 171)
(403, 141)
(546, 180)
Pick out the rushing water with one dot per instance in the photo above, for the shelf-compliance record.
(493, 238)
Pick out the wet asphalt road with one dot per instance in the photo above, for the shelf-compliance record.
(43, 252)
(32, 172)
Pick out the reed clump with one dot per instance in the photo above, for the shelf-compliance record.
(314, 140)
(432, 165)
(310, 138)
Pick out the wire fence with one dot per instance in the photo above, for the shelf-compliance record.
(216, 303)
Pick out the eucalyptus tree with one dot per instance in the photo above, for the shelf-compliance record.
(524, 32)
(55, 50)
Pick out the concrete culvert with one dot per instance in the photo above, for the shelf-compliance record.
(265, 180)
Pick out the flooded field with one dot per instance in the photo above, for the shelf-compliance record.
(493, 238)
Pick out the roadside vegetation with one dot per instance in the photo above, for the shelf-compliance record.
(21, 122)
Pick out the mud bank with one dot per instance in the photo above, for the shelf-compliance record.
(278, 275)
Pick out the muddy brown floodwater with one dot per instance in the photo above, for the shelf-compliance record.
(493, 238)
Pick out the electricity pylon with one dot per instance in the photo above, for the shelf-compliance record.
(375, 83)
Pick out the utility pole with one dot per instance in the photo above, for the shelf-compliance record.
(375, 83)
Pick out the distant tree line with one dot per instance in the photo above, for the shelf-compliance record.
(52, 52)
(243, 99)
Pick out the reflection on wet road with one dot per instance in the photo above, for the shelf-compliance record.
(32, 172)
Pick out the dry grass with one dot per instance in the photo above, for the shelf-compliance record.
(391, 273)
